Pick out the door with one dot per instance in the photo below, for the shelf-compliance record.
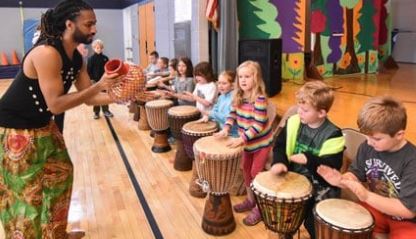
(146, 32)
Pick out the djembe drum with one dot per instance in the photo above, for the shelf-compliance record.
(178, 116)
(282, 200)
(339, 218)
(131, 83)
(217, 167)
(141, 100)
(157, 116)
(191, 132)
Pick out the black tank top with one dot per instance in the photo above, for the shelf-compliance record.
(23, 105)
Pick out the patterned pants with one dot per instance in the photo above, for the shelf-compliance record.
(36, 176)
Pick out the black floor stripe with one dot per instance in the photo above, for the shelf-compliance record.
(139, 192)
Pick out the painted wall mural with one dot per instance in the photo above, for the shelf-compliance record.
(348, 36)
(262, 19)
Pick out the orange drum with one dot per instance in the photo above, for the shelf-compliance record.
(339, 218)
(157, 116)
(218, 167)
(132, 83)
(282, 200)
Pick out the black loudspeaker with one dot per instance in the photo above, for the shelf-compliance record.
(268, 53)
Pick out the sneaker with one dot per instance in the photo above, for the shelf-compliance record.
(108, 114)
(96, 116)
(253, 218)
(245, 206)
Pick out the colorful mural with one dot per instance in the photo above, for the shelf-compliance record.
(348, 36)
(277, 19)
(353, 48)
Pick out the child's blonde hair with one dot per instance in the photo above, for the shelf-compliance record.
(317, 94)
(229, 75)
(382, 115)
(97, 42)
(258, 88)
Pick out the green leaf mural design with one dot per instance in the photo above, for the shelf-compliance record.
(257, 20)
(268, 14)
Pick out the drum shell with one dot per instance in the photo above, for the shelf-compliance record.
(324, 230)
(219, 170)
(281, 215)
(176, 122)
(189, 138)
(157, 116)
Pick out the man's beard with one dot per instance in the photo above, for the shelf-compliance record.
(81, 38)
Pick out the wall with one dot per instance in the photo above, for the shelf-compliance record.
(199, 33)
(164, 22)
(403, 19)
(109, 28)
(131, 33)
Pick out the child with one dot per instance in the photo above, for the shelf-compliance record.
(173, 73)
(95, 68)
(222, 107)
(153, 57)
(162, 71)
(205, 91)
(386, 162)
(184, 82)
(308, 140)
(249, 111)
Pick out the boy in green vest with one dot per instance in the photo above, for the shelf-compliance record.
(309, 140)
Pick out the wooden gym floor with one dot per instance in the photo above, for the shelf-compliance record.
(107, 188)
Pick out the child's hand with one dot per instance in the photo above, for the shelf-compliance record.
(204, 119)
(298, 158)
(190, 95)
(236, 142)
(160, 84)
(357, 188)
(222, 134)
(278, 168)
(332, 176)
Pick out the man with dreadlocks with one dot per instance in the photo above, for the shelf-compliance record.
(36, 173)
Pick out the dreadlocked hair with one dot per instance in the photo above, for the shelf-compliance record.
(52, 23)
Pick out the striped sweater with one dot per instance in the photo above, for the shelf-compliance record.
(253, 124)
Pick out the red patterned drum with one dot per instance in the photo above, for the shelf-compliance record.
(131, 83)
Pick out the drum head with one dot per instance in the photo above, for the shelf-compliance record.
(159, 103)
(344, 214)
(195, 127)
(183, 110)
(286, 186)
(215, 146)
